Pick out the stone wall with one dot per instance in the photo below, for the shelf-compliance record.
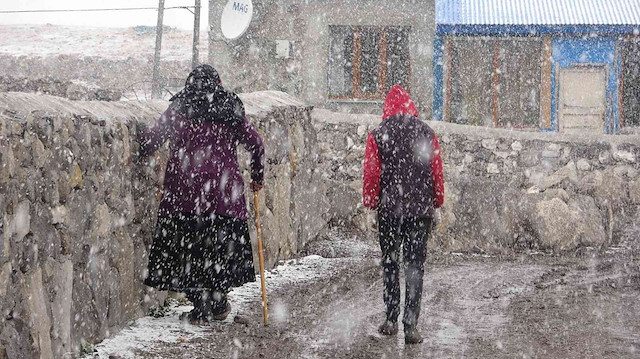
(52, 86)
(505, 189)
(77, 209)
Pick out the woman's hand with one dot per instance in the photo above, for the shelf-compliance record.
(255, 187)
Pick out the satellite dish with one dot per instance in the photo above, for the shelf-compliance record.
(236, 17)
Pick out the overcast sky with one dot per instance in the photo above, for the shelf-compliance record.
(176, 17)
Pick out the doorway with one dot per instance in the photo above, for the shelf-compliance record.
(583, 99)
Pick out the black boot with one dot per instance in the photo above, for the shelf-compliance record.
(411, 335)
(222, 315)
(388, 328)
(220, 307)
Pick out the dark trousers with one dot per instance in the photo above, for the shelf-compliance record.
(409, 234)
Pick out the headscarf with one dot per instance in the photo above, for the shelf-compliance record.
(204, 99)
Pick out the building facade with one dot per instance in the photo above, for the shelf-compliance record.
(340, 54)
(552, 65)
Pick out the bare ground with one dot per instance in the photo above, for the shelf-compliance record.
(527, 305)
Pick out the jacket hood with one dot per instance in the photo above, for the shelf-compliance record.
(398, 102)
(204, 99)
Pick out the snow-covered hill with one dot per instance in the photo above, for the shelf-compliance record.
(119, 60)
(108, 43)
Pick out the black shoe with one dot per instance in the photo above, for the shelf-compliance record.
(412, 336)
(193, 317)
(222, 315)
(242, 319)
(388, 328)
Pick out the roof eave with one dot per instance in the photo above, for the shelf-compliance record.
(534, 30)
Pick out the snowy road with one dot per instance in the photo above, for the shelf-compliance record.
(473, 306)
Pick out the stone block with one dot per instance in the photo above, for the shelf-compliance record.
(7, 165)
(59, 215)
(553, 229)
(17, 129)
(605, 157)
(64, 188)
(634, 192)
(60, 284)
(38, 320)
(21, 224)
(490, 143)
(492, 168)
(612, 190)
(583, 165)
(6, 236)
(623, 171)
(624, 156)
(344, 201)
(85, 323)
(4, 130)
(589, 221)
(75, 177)
(551, 154)
(350, 142)
(529, 158)
(590, 182)
(40, 156)
(101, 221)
(124, 261)
(502, 154)
(567, 172)
(5, 276)
(516, 146)
(557, 193)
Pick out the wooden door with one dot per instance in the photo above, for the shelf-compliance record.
(583, 105)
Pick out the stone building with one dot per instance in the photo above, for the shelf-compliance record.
(339, 54)
(550, 65)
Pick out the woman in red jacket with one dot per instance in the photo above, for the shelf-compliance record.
(404, 182)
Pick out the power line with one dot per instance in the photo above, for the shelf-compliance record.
(87, 10)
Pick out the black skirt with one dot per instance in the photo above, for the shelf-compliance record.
(192, 252)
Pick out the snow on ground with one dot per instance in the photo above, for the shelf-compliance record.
(108, 43)
(147, 331)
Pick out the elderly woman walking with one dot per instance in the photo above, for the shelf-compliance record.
(201, 243)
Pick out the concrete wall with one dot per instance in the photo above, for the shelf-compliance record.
(250, 64)
(77, 209)
(505, 190)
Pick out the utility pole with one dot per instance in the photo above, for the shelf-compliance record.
(156, 87)
(196, 35)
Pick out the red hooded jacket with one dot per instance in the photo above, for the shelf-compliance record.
(402, 165)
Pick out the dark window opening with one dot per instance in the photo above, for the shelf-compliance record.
(365, 61)
(495, 82)
(631, 82)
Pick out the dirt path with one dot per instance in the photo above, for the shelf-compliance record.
(473, 306)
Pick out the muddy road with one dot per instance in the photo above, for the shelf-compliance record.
(527, 305)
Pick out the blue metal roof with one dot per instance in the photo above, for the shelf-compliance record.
(538, 12)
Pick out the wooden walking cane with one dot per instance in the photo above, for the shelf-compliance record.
(261, 259)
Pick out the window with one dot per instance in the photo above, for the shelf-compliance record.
(365, 61)
(519, 71)
(495, 82)
(471, 75)
(631, 82)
